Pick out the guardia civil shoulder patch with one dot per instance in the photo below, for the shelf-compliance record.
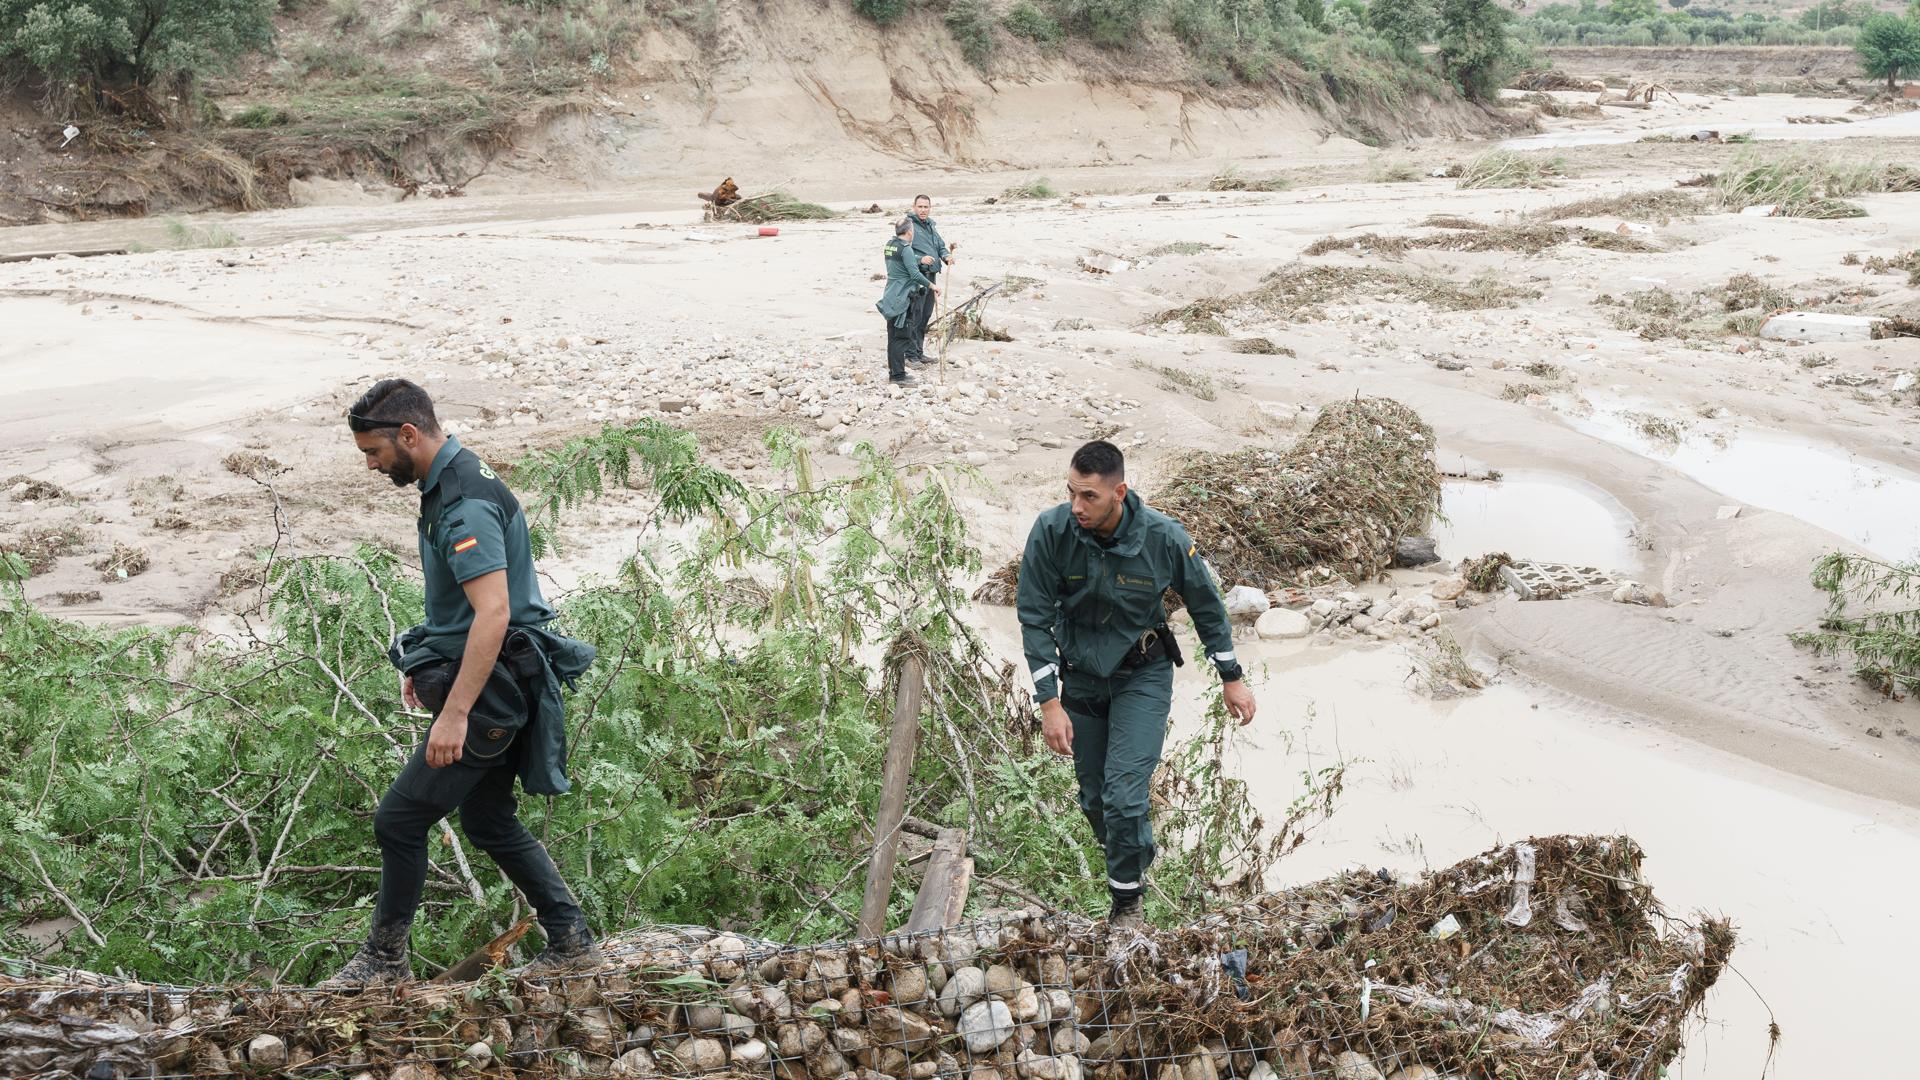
(465, 544)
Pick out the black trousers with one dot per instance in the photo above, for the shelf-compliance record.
(918, 317)
(420, 797)
(899, 342)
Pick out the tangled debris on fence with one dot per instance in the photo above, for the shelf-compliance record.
(1547, 958)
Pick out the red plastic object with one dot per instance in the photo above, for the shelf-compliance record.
(769, 230)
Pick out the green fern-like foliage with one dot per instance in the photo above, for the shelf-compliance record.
(204, 803)
(1871, 618)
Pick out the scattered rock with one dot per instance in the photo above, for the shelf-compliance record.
(1447, 589)
(1410, 551)
(966, 986)
(1727, 513)
(1279, 624)
(1635, 593)
(1245, 601)
(478, 1056)
(1072, 324)
(1874, 732)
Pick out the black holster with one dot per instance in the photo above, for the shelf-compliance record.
(1153, 645)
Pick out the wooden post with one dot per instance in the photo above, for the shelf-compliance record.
(903, 741)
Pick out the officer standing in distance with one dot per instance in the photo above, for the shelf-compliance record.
(905, 287)
(1102, 656)
(931, 255)
(490, 673)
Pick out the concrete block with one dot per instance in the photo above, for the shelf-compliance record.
(1817, 326)
(1552, 581)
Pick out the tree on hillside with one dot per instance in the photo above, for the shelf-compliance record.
(1474, 50)
(1889, 47)
(1405, 24)
(118, 44)
(1631, 11)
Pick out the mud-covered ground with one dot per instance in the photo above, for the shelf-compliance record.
(162, 402)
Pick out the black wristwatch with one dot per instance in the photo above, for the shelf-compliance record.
(1230, 671)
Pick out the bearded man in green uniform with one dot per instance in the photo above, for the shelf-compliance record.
(1102, 656)
(484, 664)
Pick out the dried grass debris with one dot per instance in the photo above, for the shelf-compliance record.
(1300, 292)
(1659, 206)
(1341, 497)
(1482, 572)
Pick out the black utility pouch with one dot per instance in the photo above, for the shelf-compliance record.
(497, 715)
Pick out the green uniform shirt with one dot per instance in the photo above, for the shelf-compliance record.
(927, 241)
(471, 525)
(1085, 601)
(903, 280)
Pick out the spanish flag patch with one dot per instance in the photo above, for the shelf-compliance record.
(465, 544)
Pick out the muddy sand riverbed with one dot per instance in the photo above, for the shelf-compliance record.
(148, 386)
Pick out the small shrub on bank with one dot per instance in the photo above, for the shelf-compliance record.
(1027, 20)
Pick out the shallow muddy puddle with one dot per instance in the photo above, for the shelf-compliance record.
(1904, 125)
(1542, 516)
(1430, 783)
(1870, 503)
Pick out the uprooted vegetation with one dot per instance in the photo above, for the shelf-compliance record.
(1871, 617)
(1659, 206)
(1529, 239)
(770, 207)
(1506, 168)
(741, 670)
(1181, 380)
(1738, 307)
(1301, 292)
(1469, 970)
(1341, 497)
(1807, 184)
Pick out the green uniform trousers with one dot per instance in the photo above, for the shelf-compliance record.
(1119, 727)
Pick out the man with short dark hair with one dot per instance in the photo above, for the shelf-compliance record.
(1102, 656)
(490, 673)
(932, 255)
(905, 287)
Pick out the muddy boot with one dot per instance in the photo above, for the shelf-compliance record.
(570, 950)
(381, 961)
(1125, 913)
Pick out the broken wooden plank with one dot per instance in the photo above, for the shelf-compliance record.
(486, 957)
(943, 891)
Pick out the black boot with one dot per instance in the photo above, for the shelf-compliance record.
(567, 950)
(1125, 913)
(380, 961)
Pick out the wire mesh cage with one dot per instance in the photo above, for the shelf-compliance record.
(1547, 958)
